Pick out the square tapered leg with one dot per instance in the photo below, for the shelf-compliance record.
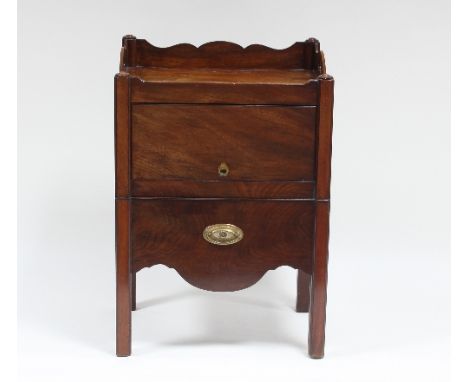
(123, 278)
(133, 291)
(303, 292)
(318, 295)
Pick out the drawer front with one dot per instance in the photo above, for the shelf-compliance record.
(171, 232)
(172, 143)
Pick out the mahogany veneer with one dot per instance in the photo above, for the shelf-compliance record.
(222, 159)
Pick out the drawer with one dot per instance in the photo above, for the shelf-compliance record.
(253, 145)
(171, 232)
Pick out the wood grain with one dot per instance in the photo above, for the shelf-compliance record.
(169, 232)
(189, 142)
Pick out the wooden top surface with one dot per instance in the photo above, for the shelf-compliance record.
(223, 76)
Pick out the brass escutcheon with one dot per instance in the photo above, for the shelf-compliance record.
(223, 234)
(223, 169)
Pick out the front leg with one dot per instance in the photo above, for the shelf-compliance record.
(318, 295)
(123, 278)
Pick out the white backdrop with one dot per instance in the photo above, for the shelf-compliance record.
(389, 245)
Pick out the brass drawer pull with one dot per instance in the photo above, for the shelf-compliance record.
(223, 169)
(223, 234)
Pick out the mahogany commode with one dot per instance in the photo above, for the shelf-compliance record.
(222, 164)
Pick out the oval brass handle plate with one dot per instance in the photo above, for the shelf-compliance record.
(223, 234)
(223, 169)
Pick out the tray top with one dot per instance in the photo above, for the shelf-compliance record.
(139, 53)
(223, 76)
(222, 72)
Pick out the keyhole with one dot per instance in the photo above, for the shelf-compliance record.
(223, 169)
